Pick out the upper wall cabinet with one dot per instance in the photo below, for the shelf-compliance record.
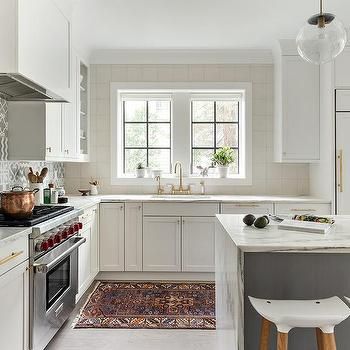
(342, 70)
(36, 45)
(297, 111)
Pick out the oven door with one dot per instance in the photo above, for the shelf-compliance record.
(55, 285)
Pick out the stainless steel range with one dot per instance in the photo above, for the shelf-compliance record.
(53, 249)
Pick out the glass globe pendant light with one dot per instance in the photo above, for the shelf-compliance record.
(322, 39)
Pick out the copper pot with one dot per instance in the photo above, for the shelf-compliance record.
(18, 203)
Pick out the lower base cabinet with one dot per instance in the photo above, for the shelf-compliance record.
(88, 252)
(198, 244)
(14, 308)
(162, 244)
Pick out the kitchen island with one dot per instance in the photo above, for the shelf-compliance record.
(276, 264)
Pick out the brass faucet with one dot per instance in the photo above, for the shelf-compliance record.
(181, 189)
(160, 189)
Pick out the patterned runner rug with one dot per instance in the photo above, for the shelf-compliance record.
(156, 305)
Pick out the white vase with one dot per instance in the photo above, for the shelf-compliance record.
(223, 171)
(140, 173)
(93, 190)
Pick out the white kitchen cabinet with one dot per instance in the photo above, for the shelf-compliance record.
(37, 44)
(133, 236)
(14, 306)
(342, 164)
(341, 70)
(95, 241)
(88, 252)
(302, 208)
(247, 208)
(342, 100)
(112, 237)
(84, 256)
(198, 244)
(162, 244)
(54, 126)
(297, 124)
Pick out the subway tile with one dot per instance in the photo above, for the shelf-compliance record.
(134, 73)
(103, 73)
(119, 73)
(102, 91)
(196, 73)
(165, 72)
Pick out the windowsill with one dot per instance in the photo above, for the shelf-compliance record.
(191, 180)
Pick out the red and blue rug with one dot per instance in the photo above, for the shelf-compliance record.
(153, 305)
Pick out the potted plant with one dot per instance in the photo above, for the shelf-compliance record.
(223, 157)
(140, 170)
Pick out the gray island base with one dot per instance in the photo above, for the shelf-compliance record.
(276, 264)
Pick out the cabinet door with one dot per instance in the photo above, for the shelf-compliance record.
(44, 45)
(53, 130)
(342, 70)
(112, 237)
(300, 120)
(84, 273)
(14, 315)
(133, 236)
(247, 208)
(343, 163)
(198, 244)
(95, 242)
(69, 131)
(161, 244)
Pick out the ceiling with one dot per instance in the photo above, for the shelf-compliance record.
(193, 24)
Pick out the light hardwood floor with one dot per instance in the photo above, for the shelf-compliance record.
(122, 339)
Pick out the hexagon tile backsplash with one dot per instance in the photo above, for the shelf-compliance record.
(14, 173)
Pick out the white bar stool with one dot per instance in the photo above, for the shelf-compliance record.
(322, 314)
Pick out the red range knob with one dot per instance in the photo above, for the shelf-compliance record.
(80, 225)
(76, 227)
(50, 242)
(57, 238)
(44, 246)
(71, 230)
(64, 233)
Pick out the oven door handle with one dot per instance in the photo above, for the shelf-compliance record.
(44, 268)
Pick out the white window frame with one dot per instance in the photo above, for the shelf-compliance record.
(179, 125)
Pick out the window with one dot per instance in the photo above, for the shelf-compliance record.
(215, 123)
(157, 124)
(147, 134)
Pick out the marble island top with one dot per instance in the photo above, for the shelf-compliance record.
(273, 239)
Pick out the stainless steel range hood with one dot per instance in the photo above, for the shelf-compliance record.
(14, 87)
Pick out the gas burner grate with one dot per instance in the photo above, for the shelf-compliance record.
(40, 214)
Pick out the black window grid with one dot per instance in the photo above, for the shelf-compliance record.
(215, 123)
(147, 147)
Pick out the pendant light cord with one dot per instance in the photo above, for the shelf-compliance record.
(321, 7)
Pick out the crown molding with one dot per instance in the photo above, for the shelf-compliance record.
(181, 56)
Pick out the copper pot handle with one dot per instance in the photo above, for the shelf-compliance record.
(35, 190)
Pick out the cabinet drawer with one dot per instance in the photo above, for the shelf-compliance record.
(247, 208)
(343, 101)
(180, 209)
(303, 208)
(13, 253)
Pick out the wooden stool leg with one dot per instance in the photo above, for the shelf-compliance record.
(282, 341)
(319, 339)
(264, 336)
(328, 341)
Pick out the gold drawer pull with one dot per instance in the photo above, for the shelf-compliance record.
(10, 257)
(296, 209)
(340, 184)
(247, 205)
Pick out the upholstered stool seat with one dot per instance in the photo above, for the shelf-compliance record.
(322, 314)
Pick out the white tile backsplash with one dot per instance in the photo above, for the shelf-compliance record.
(268, 177)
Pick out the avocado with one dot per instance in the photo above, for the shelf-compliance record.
(249, 219)
(267, 218)
(260, 222)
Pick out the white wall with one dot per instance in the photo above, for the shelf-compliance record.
(268, 177)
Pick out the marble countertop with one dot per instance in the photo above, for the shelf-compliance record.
(8, 234)
(272, 239)
(86, 201)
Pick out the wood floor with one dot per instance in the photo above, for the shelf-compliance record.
(122, 339)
